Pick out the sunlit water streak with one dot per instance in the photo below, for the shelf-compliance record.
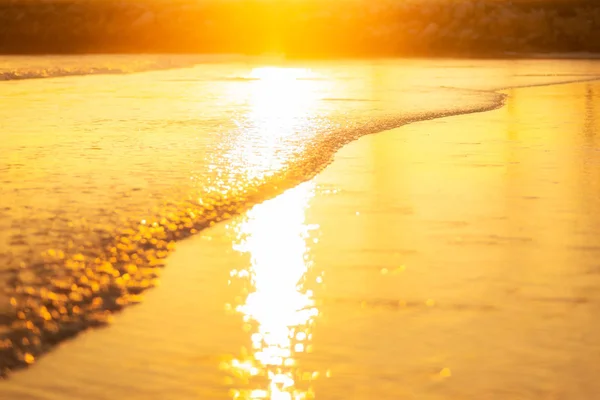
(114, 169)
(278, 311)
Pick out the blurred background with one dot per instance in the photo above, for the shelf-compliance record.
(301, 28)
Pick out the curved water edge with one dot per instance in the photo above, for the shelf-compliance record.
(54, 295)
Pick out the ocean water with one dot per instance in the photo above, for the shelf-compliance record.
(101, 173)
(450, 258)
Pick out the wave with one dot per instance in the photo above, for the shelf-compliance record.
(17, 75)
(15, 68)
(67, 290)
(86, 267)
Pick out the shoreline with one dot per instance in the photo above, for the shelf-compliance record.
(168, 338)
(156, 62)
(273, 189)
(39, 315)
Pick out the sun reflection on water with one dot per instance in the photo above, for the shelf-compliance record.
(279, 309)
(279, 109)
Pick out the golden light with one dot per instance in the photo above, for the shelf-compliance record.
(279, 308)
(280, 106)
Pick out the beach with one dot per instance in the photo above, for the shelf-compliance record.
(453, 257)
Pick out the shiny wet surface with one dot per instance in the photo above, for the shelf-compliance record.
(102, 174)
(452, 258)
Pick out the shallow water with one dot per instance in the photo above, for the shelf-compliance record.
(100, 174)
(452, 258)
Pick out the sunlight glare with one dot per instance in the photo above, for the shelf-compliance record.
(281, 107)
(278, 307)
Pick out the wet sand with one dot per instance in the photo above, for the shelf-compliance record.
(453, 258)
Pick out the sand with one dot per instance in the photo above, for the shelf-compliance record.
(453, 258)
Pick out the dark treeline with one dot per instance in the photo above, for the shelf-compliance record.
(299, 27)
